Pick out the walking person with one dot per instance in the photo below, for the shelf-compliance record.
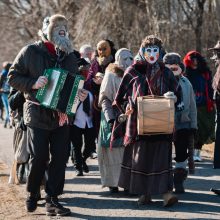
(109, 160)
(216, 87)
(47, 129)
(104, 55)
(147, 162)
(185, 121)
(16, 101)
(199, 75)
(5, 89)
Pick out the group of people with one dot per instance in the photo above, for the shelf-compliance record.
(108, 113)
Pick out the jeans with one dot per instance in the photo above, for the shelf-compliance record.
(6, 106)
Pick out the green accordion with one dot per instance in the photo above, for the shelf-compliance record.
(61, 91)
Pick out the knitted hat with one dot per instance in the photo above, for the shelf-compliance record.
(173, 58)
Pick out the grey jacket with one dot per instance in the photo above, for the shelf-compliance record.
(188, 117)
(29, 64)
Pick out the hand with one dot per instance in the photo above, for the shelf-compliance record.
(82, 93)
(170, 95)
(98, 80)
(129, 110)
(111, 124)
(41, 82)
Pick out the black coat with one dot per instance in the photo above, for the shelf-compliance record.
(29, 64)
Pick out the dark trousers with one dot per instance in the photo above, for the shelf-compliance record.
(76, 137)
(183, 142)
(48, 151)
(217, 143)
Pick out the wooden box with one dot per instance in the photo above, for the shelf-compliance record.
(155, 115)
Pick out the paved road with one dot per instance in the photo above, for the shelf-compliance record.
(88, 200)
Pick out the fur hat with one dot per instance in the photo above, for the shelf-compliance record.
(48, 24)
(173, 58)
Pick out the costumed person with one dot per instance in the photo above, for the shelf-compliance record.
(199, 74)
(147, 162)
(4, 90)
(16, 101)
(105, 54)
(185, 121)
(87, 52)
(47, 129)
(109, 160)
(216, 87)
(82, 129)
(83, 66)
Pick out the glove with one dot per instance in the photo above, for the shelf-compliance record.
(170, 95)
(111, 123)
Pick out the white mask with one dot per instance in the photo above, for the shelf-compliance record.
(175, 68)
(151, 54)
(123, 58)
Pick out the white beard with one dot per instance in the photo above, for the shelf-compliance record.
(62, 43)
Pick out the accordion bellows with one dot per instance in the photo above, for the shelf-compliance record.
(155, 115)
(61, 91)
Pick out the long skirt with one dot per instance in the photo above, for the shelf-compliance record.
(110, 165)
(147, 168)
(206, 127)
(109, 159)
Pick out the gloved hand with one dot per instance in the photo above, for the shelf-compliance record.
(82, 93)
(41, 82)
(170, 95)
(111, 123)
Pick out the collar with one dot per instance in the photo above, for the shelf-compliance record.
(50, 47)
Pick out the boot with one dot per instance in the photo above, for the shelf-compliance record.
(180, 175)
(199, 159)
(195, 154)
(54, 208)
(169, 199)
(144, 200)
(216, 191)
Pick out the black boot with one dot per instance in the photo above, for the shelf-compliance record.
(21, 173)
(180, 175)
(54, 208)
(31, 201)
(113, 189)
(85, 167)
(216, 191)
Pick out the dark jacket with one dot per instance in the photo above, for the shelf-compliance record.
(29, 64)
(16, 101)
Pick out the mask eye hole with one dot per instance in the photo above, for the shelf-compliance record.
(148, 50)
(155, 50)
